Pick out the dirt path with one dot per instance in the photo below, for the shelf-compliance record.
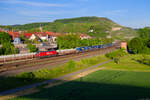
(32, 88)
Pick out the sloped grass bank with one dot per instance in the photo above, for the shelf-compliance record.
(27, 78)
(104, 84)
(130, 63)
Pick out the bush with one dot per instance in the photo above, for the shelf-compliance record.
(27, 76)
(145, 60)
(116, 54)
(145, 50)
(32, 48)
(116, 60)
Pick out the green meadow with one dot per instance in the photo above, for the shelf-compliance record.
(127, 80)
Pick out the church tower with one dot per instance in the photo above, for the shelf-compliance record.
(41, 29)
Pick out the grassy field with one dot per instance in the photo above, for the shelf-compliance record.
(105, 85)
(129, 63)
(128, 80)
(28, 78)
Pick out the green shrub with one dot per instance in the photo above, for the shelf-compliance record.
(116, 60)
(144, 60)
(32, 47)
(27, 76)
(145, 50)
(116, 54)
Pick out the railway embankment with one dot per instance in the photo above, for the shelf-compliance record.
(36, 64)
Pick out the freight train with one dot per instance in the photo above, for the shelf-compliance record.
(42, 54)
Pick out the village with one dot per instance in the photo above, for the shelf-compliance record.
(44, 41)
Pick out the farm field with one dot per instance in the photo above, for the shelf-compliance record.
(128, 80)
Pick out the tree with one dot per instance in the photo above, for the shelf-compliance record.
(68, 41)
(136, 45)
(8, 48)
(144, 33)
(23, 38)
(141, 44)
(148, 43)
(32, 48)
(5, 37)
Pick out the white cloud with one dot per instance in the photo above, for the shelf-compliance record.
(32, 3)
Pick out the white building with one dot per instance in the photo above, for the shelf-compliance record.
(32, 37)
(43, 37)
(17, 41)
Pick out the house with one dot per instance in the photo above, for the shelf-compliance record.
(53, 36)
(91, 30)
(124, 45)
(14, 34)
(85, 36)
(42, 36)
(116, 28)
(17, 40)
(30, 36)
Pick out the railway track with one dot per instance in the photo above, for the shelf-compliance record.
(52, 60)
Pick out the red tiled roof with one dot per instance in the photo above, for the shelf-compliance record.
(28, 35)
(40, 34)
(14, 34)
(49, 33)
(46, 33)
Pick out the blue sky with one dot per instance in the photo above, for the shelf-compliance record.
(131, 13)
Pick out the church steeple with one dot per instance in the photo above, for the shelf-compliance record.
(41, 29)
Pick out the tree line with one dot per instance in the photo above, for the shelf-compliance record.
(73, 41)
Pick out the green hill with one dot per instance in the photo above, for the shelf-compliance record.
(94, 26)
(83, 20)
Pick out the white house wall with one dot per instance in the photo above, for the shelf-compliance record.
(32, 37)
